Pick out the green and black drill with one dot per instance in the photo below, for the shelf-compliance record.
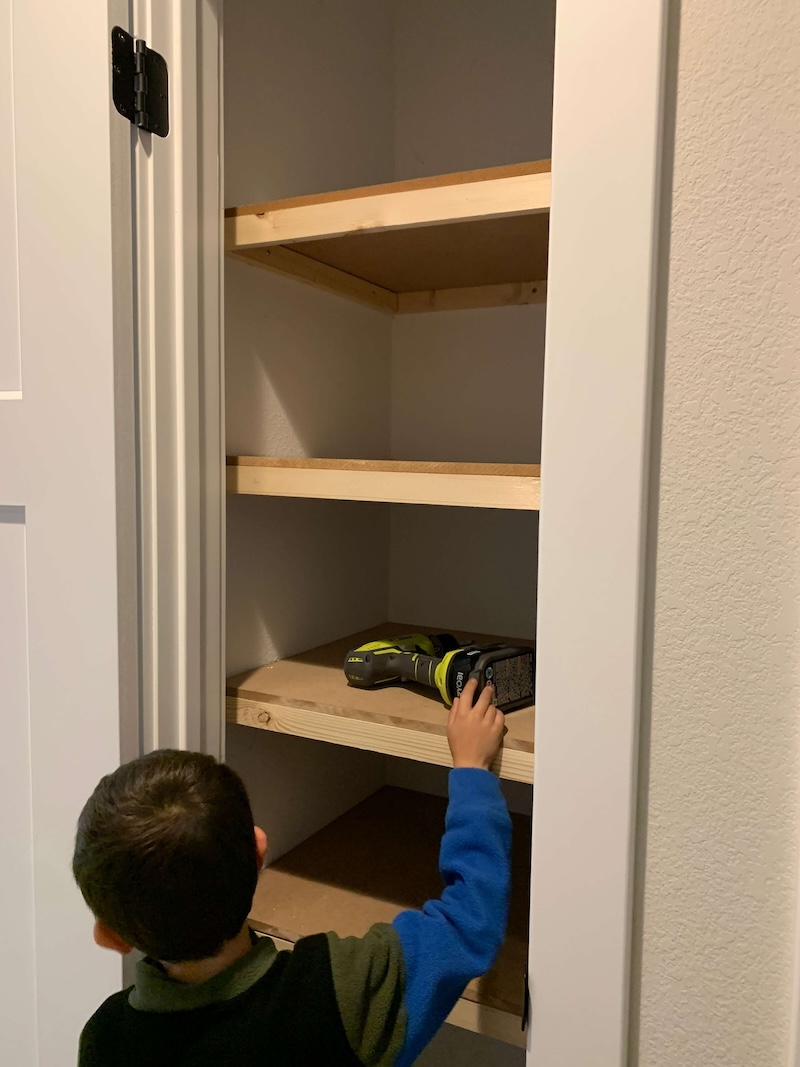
(440, 661)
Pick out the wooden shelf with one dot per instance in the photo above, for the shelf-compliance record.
(513, 486)
(473, 239)
(381, 858)
(308, 696)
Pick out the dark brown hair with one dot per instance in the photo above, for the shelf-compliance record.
(165, 854)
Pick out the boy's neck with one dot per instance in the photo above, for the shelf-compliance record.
(196, 971)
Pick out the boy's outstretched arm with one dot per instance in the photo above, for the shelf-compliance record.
(456, 938)
(392, 1007)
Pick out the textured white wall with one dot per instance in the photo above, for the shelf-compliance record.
(467, 385)
(306, 373)
(721, 859)
(473, 90)
(473, 83)
(307, 99)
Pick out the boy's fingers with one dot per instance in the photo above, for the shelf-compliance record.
(468, 693)
(485, 700)
(483, 703)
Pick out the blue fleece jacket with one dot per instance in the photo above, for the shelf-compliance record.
(457, 937)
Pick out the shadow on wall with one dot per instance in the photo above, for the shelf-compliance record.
(464, 568)
(467, 385)
(302, 573)
(307, 373)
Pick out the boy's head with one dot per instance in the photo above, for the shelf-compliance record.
(166, 856)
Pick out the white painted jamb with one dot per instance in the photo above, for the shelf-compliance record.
(607, 126)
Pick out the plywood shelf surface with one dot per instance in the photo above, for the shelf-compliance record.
(308, 696)
(377, 860)
(513, 486)
(473, 239)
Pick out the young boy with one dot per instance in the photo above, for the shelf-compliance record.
(167, 858)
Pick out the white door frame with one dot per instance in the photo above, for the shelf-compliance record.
(608, 117)
(178, 197)
(601, 300)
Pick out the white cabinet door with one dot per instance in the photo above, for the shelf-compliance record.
(65, 535)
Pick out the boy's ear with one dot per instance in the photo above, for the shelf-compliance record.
(105, 937)
(261, 846)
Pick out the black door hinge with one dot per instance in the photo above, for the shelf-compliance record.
(139, 83)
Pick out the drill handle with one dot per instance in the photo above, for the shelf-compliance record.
(420, 668)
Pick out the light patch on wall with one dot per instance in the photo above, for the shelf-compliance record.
(10, 361)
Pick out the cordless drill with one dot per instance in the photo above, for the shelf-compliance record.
(440, 661)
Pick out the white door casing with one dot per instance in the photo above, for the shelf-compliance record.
(601, 301)
(178, 310)
(602, 288)
(67, 553)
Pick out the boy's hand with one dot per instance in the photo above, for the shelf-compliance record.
(474, 733)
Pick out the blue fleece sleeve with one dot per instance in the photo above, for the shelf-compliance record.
(457, 937)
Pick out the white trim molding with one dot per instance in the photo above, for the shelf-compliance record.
(178, 276)
(607, 130)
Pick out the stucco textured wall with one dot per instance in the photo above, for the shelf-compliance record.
(721, 861)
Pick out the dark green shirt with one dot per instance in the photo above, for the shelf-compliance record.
(333, 1001)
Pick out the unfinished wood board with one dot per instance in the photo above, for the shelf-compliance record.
(479, 230)
(513, 294)
(513, 486)
(377, 860)
(454, 178)
(519, 189)
(319, 275)
(479, 253)
(308, 695)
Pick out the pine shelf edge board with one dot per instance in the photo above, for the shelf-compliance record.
(332, 881)
(472, 240)
(497, 192)
(467, 1014)
(307, 696)
(508, 486)
(334, 727)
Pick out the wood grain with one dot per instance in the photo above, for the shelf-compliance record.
(512, 486)
(402, 466)
(464, 177)
(308, 696)
(512, 294)
(486, 231)
(392, 211)
(376, 860)
(493, 251)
